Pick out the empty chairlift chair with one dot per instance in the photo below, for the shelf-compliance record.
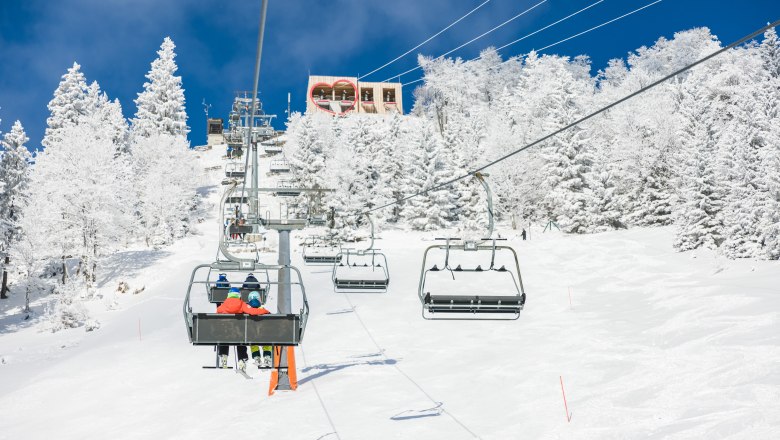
(320, 250)
(478, 291)
(476, 287)
(209, 328)
(287, 188)
(272, 146)
(361, 270)
(235, 170)
(280, 166)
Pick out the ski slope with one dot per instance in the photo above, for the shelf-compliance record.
(654, 344)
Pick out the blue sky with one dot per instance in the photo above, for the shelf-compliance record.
(116, 40)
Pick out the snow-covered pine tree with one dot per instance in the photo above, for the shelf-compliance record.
(70, 102)
(561, 89)
(698, 214)
(14, 177)
(82, 217)
(110, 112)
(768, 93)
(388, 159)
(743, 134)
(161, 104)
(165, 178)
(308, 154)
(425, 169)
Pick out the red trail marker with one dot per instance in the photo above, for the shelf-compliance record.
(565, 405)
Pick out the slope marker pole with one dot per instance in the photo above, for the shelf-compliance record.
(565, 405)
(571, 307)
(139, 329)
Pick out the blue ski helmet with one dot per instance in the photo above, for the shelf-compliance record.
(254, 295)
(234, 293)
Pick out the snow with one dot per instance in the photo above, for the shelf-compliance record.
(655, 344)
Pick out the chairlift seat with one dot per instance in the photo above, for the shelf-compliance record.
(361, 284)
(237, 199)
(228, 329)
(320, 259)
(474, 303)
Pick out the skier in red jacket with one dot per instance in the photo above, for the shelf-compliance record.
(234, 305)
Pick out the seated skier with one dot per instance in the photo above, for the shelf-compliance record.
(264, 359)
(234, 305)
(222, 282)
(251, 282)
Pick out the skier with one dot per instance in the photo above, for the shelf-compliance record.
(241, 222)
(251, 282)
(222, 281)
(229, 152)
(522, 234)
(234, 305)
(264, 359)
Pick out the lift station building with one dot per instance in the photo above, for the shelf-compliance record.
(341, 95)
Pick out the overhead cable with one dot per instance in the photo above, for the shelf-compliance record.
(474, 39)
(421, 44)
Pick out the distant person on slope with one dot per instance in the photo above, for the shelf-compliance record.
(264, 359)
(235, 306)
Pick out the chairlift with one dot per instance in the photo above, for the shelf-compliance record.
(361, 269)
(271, 146)
(207, 328)
(287, 188)
(483, 297)
(280, 166)
(320, 250)
(318, 219)
(235, 170)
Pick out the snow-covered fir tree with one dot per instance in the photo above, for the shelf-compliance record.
(427, 168)
(164, 180)
(83, 218)
(70, 102)
(161, 104)
(14, 177)
(698, 215)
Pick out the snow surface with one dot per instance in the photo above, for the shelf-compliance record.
(655, 344)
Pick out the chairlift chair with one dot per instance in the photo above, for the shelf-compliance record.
(286, 188)
(361, 269)
(318, 219)
(320, 250)
(481, 300)
(280, 166)
(493, 303)
(207, 328)
(235, 170)
(271, 147)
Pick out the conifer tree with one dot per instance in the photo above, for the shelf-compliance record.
(698, 214)
(14, 177)
(161, 104)
(70, 102)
